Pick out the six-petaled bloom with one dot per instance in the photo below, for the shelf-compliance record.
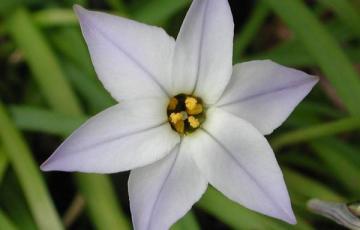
(186, 116)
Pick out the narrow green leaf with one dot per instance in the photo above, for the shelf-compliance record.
(55, 17)
(3, 164)
(332, 153)
(248, 32)
(42, 120)
(346, 13)
(98, 193)
(187, 222)
(308, 188)
(14, 203)
(233, 214)
(316, 131)
(156, 11)
(51, 80)
(324, 50)
(28, 174)
(118, 5)
(5, 222)
(42, 62)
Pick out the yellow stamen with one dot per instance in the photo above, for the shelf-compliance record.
(195, 111)
(190, 103)
(179, 127)
(175, 118)
(193, 122)
(172, 103)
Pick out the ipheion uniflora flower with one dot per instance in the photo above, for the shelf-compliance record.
(186, 117)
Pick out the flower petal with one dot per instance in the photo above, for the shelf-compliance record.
(132, 60)
(163, 192)
(203, 53)
(123, 137)
(265, 93)
(237, 160)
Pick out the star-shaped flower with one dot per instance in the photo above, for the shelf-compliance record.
(186, 116)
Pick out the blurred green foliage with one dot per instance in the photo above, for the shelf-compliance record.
(48, 88)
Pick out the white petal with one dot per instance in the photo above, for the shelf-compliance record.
(237, 160)
(132, 60)
(265, 93)
(163, 192)
(128, 135)
(203, 53)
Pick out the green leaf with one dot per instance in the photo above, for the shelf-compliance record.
(157, 11)
(248, 32)
(307, 188)
(5, 222)
(235, 215)
(42, 120)
(28, 174)
(346, 13)
(42, 62)
(14, 204)
(187, 222)
(333, 153)
(324, 50)
(3, 164)
(52, 82)
(54, 17)
(316, 131)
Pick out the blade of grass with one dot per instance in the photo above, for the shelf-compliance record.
(52, 83)
(5, 222)
(42, 63)
(323, 48)
(118, 5)
(3, 164)
(233, 214)
(238, 217)
(291, 53)
(246, 35)
(55, 17)
(187, 222)
(316, 131)
(14, 203)
(308, 188)
(42, 120)
(331, 152)
(28, 174)
(157, 11)
(346, 13)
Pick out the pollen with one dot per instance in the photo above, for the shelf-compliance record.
(190, 103)
(172, 103)
(176, 117)
(193, 122)
(186, 113)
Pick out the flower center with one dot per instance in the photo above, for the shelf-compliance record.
(186, 113)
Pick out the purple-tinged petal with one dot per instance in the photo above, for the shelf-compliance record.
(132, 60)
(128, 135)
(265, 93)
(203, 53)
(163, 192)
(237, 160)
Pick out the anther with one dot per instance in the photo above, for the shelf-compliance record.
(194, 123)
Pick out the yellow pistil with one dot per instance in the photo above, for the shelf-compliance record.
(172, 103)
(194, 123)
(192, 106)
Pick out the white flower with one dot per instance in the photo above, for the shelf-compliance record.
(186, 116)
